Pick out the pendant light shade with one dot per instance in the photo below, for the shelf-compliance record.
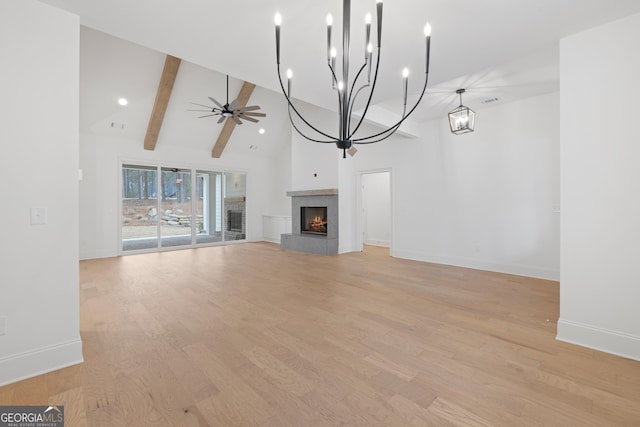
(462, 119)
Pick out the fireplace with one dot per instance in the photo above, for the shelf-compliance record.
(234, 221)
(313, 220)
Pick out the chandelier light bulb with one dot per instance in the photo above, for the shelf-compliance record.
(367, 18)
(340, 85)
(277, 19)
(405, 85)
(289, 75)
(333, 52)
(329, 19)
(378, 1)
(427, 30)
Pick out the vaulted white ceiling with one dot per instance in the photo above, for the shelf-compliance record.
(111, 68)
(506, 49)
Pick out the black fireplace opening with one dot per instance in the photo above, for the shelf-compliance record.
(313, 220)
(234, 221)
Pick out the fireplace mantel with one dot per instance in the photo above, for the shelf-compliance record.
(324, 192)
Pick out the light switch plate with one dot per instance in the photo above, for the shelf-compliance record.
(38, 215)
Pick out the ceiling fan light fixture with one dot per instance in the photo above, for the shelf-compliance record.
(231, 110)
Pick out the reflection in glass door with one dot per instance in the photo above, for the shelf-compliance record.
(235, 218)
(175, 207)
(208, 206)
(139, 207)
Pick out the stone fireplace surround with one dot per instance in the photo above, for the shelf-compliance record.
(316, 244)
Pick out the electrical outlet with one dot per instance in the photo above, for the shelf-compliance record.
(3, 325)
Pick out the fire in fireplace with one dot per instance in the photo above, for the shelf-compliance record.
(313, 220)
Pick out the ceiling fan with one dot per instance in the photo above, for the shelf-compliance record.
(230, 110)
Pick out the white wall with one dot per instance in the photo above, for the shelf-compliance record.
(347, 197)
(279, 203)
(488, 199)
(376, 208)
(39, 137)
(600, 280)
(100, 158)
(314, 166)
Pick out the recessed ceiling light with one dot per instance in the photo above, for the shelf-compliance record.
(261, 131)
(123, 101)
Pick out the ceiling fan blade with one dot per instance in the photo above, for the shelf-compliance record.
(208, 115)
(201, 105)
(215, 102)
(236, 120)
(233, 104)
(253, 114)
(206, 111)
(221, 119)
(251, 119)
(250, 108)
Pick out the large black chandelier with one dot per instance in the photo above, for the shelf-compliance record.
(347, 94)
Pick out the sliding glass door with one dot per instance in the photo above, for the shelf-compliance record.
(209, 206)
(164, 207)
(139, 207)
(175, 207)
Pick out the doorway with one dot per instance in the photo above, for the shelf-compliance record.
(376, 208)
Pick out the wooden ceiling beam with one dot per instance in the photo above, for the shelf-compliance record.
(168, 78)
(230, 125)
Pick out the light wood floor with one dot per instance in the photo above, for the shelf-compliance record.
(251, 335)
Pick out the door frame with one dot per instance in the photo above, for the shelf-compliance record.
(360, 207)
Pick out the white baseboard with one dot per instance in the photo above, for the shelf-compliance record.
(40, 361)
(374, 242)
(271, 240)
(614, 342)
(84, 255)
(517, 269)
